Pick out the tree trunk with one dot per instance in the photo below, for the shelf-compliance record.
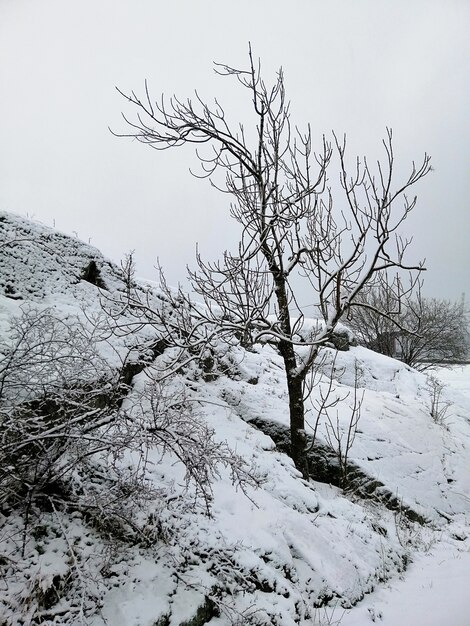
(297, 425)
(294, 380)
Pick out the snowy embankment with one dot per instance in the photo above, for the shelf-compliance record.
(434, 590)
(271, 549)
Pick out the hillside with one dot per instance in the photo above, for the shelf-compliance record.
(173, 502)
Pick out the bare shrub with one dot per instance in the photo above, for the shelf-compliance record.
(61, 408)
(340, 433)
(55, 392)
(438, 407)
(163, 418)
(75, 441)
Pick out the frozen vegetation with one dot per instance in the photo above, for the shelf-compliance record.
(131, 500)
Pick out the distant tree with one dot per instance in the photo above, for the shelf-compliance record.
(377, 323)
(422, 333)
(440, 336)
(292, 224)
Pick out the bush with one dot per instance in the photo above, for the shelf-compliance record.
(76, 441)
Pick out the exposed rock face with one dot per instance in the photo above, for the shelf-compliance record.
(92, 275)
(342, 339)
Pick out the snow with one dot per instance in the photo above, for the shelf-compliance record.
(434, 592)
(271, 552)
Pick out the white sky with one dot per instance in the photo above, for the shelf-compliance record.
(354, 67)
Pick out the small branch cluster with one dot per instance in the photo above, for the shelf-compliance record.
(340, 433)
(328, 407)
(164, 419)
(54, 391)
(438, 407)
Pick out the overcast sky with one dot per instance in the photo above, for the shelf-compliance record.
(355, 66)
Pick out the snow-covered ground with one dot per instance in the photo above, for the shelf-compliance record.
(457, 377)
(434, 591)
(280, 550)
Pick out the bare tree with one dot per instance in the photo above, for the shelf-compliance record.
(441, 333)
(371, 327)
(291, 223)
(422, 333)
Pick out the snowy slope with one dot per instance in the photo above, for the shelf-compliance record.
(274, 550)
